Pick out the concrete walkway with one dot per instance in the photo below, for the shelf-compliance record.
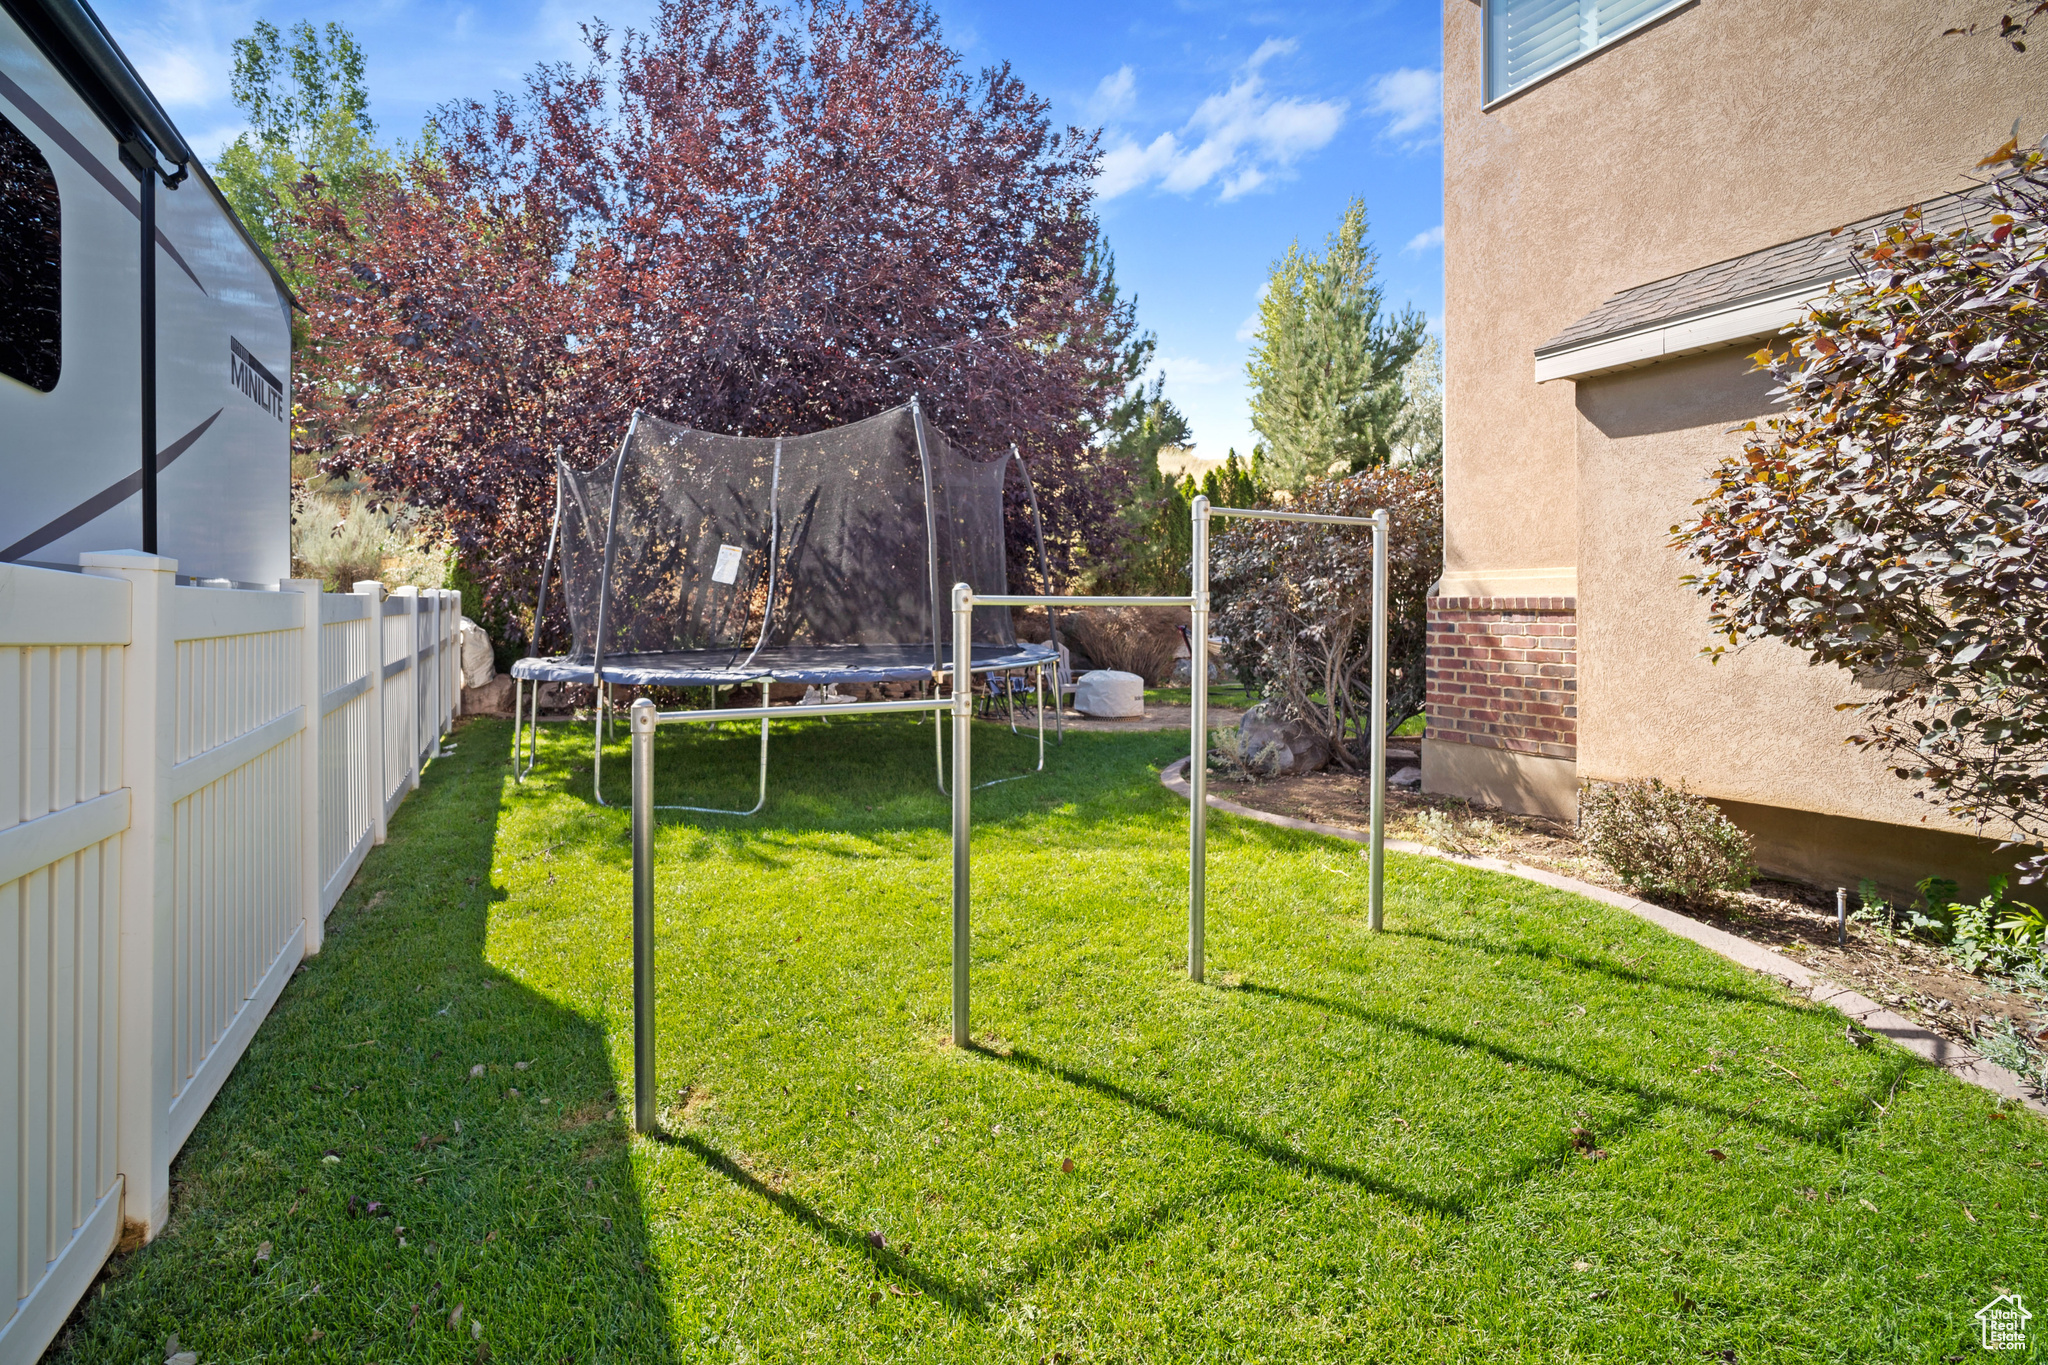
(1952, 1057)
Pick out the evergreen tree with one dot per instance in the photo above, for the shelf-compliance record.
(1326, 364)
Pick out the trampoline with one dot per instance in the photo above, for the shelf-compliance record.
(693, 559)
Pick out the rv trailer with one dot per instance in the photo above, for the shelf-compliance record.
(145, 340)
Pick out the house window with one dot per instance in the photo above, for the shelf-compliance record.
(31, 273)
(1528, 39)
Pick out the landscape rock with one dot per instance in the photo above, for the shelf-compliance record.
(478, 667)
(1294, 747)
(492, 698)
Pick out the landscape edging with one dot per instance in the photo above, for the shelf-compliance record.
(1959, 1061)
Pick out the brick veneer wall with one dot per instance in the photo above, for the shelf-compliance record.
(1503, 673)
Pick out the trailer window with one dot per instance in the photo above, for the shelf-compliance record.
(31, 271)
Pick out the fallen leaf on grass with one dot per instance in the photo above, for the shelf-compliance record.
(521, 1066)
(455, 1318)
(414, 1320)
(877, 1241)
(174, 1356)
(263, 1251)
(476, 1071)
(1717, 1154)
(1868, 1205)
(1967, 1214)
(1582, 1265)
(314, 1336)
(874, 1298)
(428, 1144)
(1067, 1166)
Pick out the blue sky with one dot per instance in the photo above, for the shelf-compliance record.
(1231, 129)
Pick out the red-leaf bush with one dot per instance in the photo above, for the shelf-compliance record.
(1894, 521)
(1293, 601)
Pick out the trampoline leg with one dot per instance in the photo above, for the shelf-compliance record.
(518, 710)
(939, 747)
(1038, 686)
(597, 751)
(761, 799)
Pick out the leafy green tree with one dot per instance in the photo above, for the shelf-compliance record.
(1326, 364)
(308, 113)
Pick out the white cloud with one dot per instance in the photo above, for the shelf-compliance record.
(1115, 94)
(1427, 240)
(1243, 137)
(1271, 48)
(1182, 369)
(1412, 100)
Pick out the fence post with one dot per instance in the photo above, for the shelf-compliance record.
(430, 682)
(379, 789)
(411, 678)
(451, 655)
(143, 1046)
(311, 862)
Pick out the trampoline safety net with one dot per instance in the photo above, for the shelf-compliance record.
(696, 558)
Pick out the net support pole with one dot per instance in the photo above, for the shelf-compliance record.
(1377, 894)
(963, 788)
(641, 722)
(1198, 741)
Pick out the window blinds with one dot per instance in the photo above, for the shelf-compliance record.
(1527, 38)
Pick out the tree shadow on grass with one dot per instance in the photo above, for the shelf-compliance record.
(1279, 1154)
(1649, 1099)
(1584, 963)
(509, 1195)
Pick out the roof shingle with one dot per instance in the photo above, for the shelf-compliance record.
(1813, 260)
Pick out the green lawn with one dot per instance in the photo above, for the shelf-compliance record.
(1343, 1148)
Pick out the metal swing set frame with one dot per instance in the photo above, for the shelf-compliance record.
(644, 719)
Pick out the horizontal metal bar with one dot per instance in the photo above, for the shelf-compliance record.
(798, 711)
(1010, 600)
(1267, 514)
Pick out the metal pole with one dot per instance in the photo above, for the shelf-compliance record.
(1376, 917)
(963, 785)
(147, 289)
(1198, 743)
(1841, 917)
(641, 723)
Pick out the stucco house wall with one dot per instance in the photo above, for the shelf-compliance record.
(1720, 129)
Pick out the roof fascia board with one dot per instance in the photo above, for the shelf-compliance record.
(1743, 321)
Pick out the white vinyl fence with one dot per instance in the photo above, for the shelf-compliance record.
(170, 756)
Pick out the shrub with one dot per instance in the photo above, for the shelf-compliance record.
(1294, 602)
(1664, 840)
(1893, 521)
